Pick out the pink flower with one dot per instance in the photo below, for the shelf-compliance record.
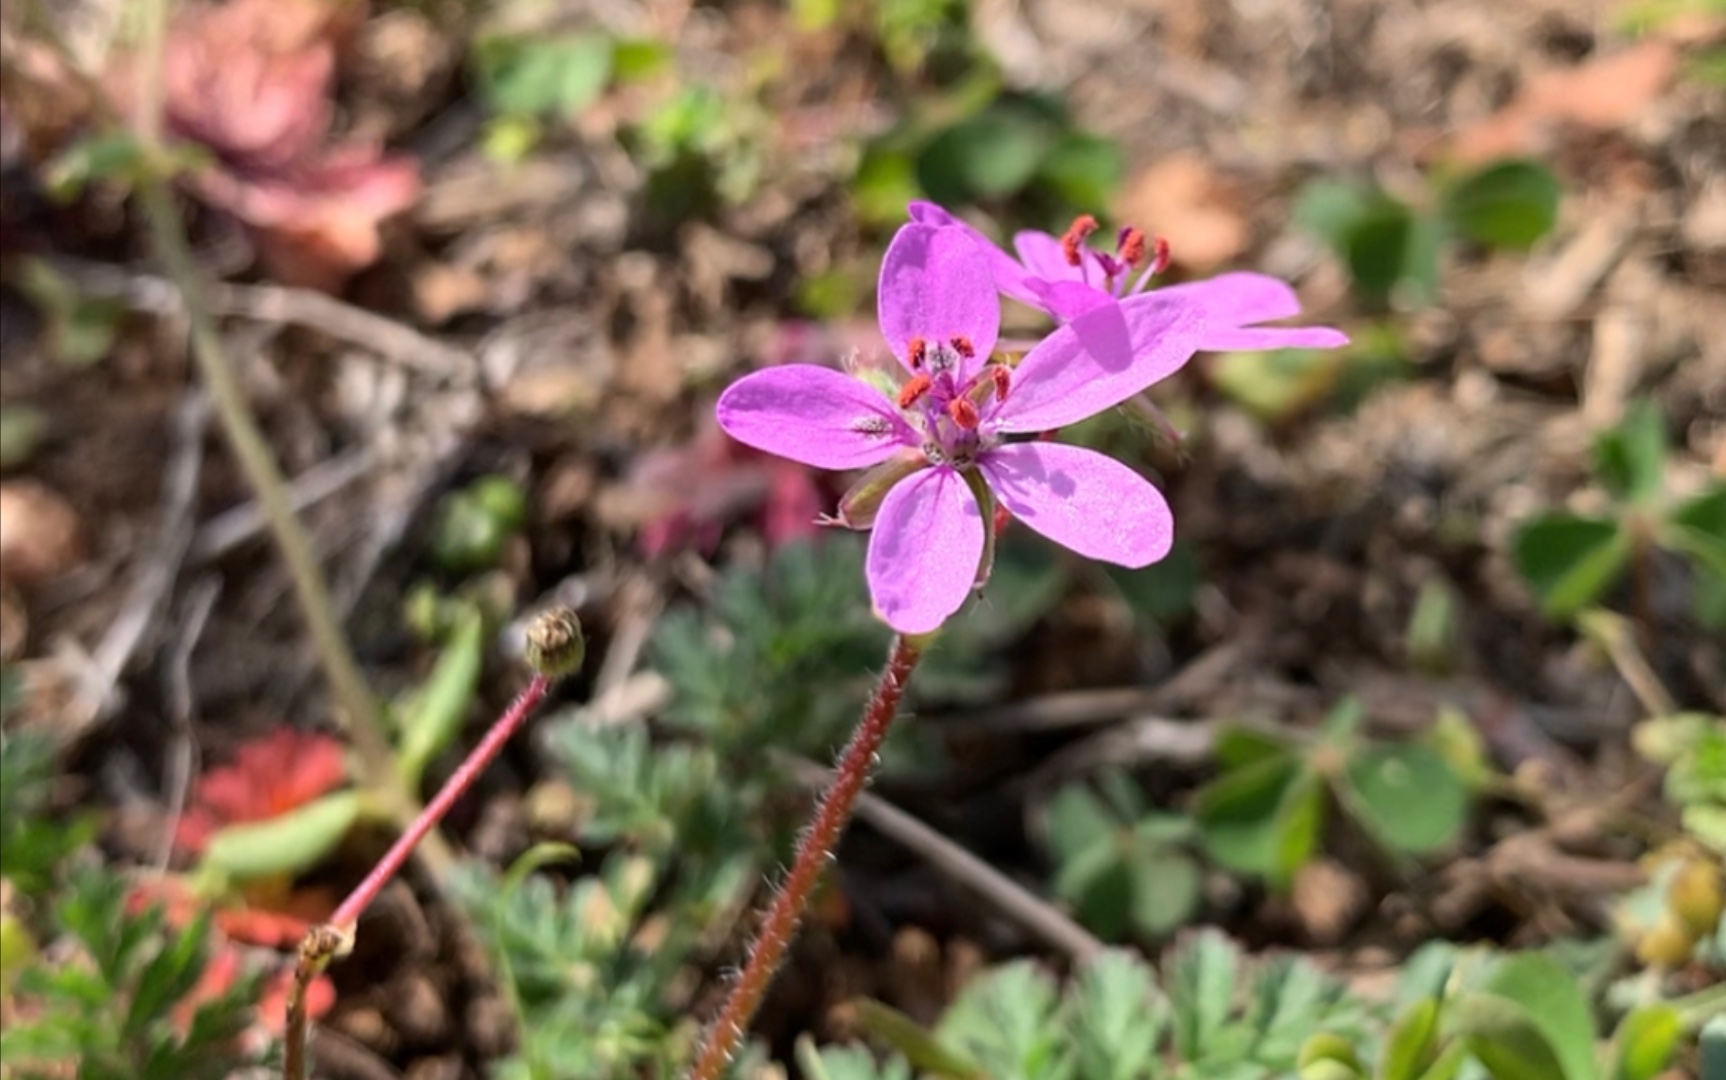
(940, 439)
(1062, 276)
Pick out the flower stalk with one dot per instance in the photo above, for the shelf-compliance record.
(814, 850)
(555, 648)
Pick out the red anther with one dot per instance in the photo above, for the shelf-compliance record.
(1131, 246)
(964, 413)
(1002, 378)
(911, 391)
(1003, 518)
(962, 345)
(1159, 255)
(1074, 240)
(919, 349)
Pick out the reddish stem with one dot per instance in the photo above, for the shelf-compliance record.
(348, 914)
(330, 940)
(814, 850)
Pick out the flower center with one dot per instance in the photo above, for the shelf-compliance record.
(1132, 251)
(955, 415)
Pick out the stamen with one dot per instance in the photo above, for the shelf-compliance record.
(1130, 245)
(911, 391)
(962, 345)
(1003, 517)
(1002, 377)
(1159, 255)
(918, 349)
(964, 413)
(1072, 244)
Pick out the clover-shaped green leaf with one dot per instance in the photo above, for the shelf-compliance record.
(1406, 796)
(1570, 561)
(1630, 459)
(1529, 1020)
(1508, 204)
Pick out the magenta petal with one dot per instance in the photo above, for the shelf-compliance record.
(814, 415)
(936, 284)
(1067, 300)
(1082, 500)
(1249, 338)
(1100, 360)
(924, 552)
(1240, 299)
(1044, 256)
(1010, 278)
(924, 212)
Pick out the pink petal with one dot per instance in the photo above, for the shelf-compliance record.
(936, 284)
(814, 415)
(1067, 300)
(1240, 299)
(1082, 500)
(924, 212)
(1101, 359)
(1010, 278)
(1044, 256)
(1234, 302)
(924, 552)
(1250, 338)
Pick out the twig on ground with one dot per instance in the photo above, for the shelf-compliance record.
(641, 600)
(157, 569)
(183, 709)
(234, 527)
(1088, 708)
(1051, 712)
(279, 304)
(1013, 900)
(346, 1058)
(1146, 738)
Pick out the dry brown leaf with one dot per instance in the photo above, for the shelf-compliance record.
(1602, 95)
(41, 536)
(1182, 199)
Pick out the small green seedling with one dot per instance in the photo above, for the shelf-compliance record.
(1692, 746)
(527, 79)
(1265, 814)
(1573, 560)
(1520, 1016)
(1126, 870)
(1214, 1016)
(474, 524)
(1393, 250)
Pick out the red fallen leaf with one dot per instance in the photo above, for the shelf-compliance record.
(250, 80)
(270, 913)
(226, 966)
(317, 224)
(275, 915)
(269, 776)
(694, 489)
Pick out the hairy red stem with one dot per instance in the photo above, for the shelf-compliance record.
(779, 926)
(348, 914)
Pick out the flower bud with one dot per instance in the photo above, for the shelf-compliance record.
(858, 508)
(555, 645)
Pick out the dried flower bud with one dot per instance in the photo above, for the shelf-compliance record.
(858, 508)
(555, 645)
